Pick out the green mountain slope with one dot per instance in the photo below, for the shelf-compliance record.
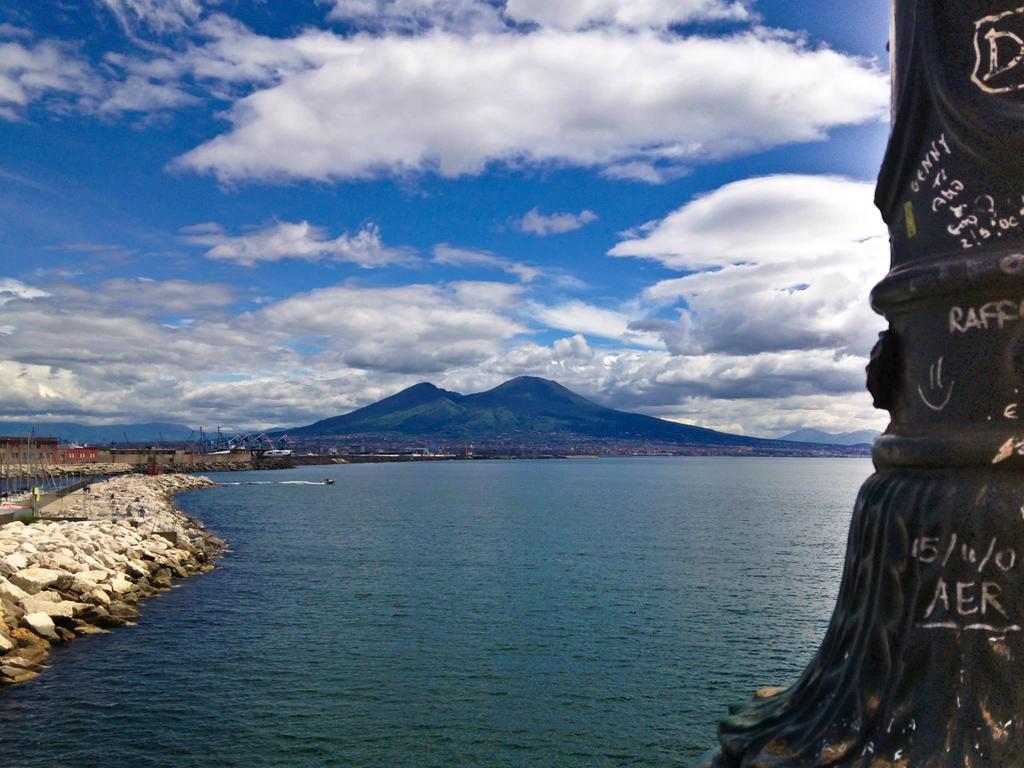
(525, 408)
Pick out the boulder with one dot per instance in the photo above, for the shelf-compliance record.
(40, 624)
(63, 562)
(97, 597)
(6, 643)
(121, 610)
(11, 592)
(15, 675)
(65, 634)
(16, 660)
(99, 616)
(34, 580)
(53, 609)
(120, 584)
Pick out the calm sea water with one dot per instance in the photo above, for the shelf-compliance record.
(524, 613)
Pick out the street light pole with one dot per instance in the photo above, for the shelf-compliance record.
(923, 661)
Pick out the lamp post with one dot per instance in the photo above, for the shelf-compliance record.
(923, 661)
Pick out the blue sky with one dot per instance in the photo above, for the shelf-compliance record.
(260, 213)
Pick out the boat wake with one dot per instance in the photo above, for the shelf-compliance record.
(279, 482)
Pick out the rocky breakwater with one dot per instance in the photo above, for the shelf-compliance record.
(64, 470)
(63, 578)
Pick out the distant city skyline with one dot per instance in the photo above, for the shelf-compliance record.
(259, 213)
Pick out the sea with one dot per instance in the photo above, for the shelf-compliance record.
(548, 614)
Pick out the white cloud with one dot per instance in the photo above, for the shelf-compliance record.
(137, 94)
(364, 106)
(783, 263)
(105, 353)
(302, 241)
(32, 72)
(576, 14)
(645, 171)
(160, 16)
(765, 219)
(465, 16)
(536, 223)
(582, 318)
(9, 30)
(462, 257)
(423, 328)
(11, 289)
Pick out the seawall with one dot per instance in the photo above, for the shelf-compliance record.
(86, 572)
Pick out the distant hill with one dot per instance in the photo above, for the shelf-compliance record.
(110, 433)
(860, 437)
(524, 410)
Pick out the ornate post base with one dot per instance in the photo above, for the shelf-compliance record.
(923, 663)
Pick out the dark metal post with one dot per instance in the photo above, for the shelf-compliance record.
(923, 662)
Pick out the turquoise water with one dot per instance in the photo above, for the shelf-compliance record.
(522, 613)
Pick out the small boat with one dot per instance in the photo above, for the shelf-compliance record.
(329, 481)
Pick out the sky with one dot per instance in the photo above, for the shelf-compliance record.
(256, 213)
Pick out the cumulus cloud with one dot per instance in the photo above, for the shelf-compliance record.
(302, 241)
(161, 16)
(580, 317)
(576, 14)
(423, 328)
(327, 351)
(536, 223)
(29, 72)
(766, 393)
(777, 263)
(113, 355)
(364, 106)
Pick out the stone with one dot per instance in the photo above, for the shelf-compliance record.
(97, 597)
(120, 584)
(34, 580)
(6, 643)
(84, 628)
(20, 662)
(100, 617)
(65, 634)
(15, 676)
(40, 624)
(60, 561)
(11, 591)
(136, 569)
(39, 604)
(121, 610)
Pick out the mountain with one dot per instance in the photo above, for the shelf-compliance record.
(524, 410)
(860, 437)
(109, 433)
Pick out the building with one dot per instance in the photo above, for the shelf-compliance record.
(77, 454)
(30, 450)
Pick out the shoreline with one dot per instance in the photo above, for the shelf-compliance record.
(84, 566)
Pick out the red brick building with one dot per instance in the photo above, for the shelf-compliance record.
(30, 450)
(77, 454)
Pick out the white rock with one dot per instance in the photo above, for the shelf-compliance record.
(17, 561)
(11, 592)
(6, 644)
(120, 584)
(34, 580)
(35, 604)
(41, 624)
(99, 596)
